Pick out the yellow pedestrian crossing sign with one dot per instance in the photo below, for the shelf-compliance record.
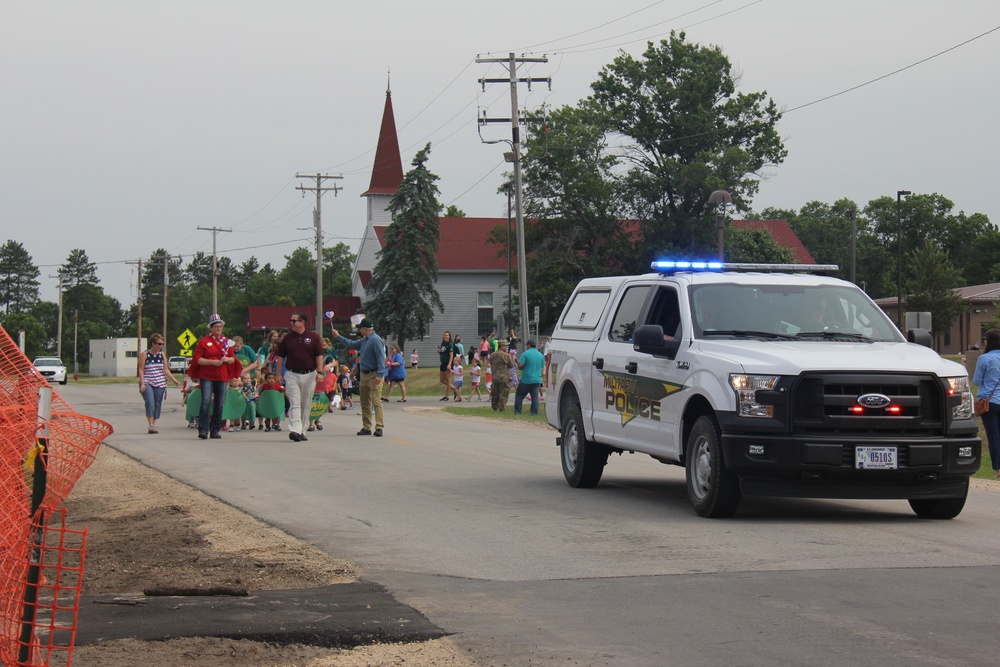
(187, 340)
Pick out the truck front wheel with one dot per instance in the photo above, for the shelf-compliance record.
(714, 491)
(939, 508)
(583, 461)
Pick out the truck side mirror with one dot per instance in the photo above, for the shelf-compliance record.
(919, 336)
(648, 339)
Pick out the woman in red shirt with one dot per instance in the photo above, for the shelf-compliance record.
(214, 363)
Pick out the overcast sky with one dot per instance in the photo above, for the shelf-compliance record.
(126, 125)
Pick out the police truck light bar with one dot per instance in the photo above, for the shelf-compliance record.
(682, 265)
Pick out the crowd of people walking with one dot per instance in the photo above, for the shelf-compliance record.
(295, 377)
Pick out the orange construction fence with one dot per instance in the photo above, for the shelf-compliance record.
(41, 561)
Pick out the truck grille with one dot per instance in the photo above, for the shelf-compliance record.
(822, 403)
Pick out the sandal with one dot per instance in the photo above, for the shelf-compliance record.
(311, 428)
(319, 427)
(401, 400)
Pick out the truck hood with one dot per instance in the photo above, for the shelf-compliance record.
(793, 357)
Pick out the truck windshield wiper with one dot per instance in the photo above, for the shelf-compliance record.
(746, 333)
(835, 334)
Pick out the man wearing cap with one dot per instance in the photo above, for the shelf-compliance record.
(300, 354)
(214, 364)
(371, 357)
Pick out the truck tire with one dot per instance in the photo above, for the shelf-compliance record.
(939, 508)
(583, 460)
(714, 491)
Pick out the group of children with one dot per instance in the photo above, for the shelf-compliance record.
(478, 375)
(250, 391)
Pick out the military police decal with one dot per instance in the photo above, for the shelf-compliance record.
(635, 396)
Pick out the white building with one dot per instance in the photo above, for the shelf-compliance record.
(115, 357)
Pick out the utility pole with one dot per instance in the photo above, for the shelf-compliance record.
(166, 287)
(319, 189)
(60, 322)
(511, 62)
(138, 302)
(215, 267)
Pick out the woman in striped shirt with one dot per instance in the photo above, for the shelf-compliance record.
(153, 374)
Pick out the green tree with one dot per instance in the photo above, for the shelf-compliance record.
(929, 217)
(337, 265)
(34, 335)
(244, 272)
(572, 208)
(18, 279)
(401, 291)
(199, 270)
(297, 281)
(930, 282)
(755, 246)
(686, 133)
(78, 269)
(454, 212)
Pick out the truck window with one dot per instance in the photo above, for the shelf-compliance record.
(666, 312)
(585, 311)
(628, 313)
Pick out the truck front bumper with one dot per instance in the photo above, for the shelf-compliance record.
(826, 467)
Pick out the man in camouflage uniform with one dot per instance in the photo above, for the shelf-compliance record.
(500, 364)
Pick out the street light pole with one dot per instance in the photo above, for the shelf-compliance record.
(899, 257)
(720, 199)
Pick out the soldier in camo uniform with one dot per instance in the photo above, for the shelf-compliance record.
(501, 363)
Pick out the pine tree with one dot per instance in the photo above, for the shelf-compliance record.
(18, 279)
(402, 293)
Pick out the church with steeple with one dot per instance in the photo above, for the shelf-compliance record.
(472, 279)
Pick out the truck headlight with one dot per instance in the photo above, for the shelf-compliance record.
(746, 387)
(959, 386)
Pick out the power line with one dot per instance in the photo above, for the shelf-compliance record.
(893, 73)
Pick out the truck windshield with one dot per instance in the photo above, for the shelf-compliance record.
(795, 311)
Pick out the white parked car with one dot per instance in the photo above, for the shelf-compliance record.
(51, 368)
(178, 364)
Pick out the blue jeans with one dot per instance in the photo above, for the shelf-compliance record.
(991, 425)
(154, 399)
(213, 397)
(524, 389)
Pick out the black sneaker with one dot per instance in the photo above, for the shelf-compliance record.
(216, 435)
(364, 431)
(303, 437)
(294, 437)
(378, 433)
(203, 435)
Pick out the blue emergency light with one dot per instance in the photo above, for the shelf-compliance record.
(674, 265)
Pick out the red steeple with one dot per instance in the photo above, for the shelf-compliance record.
(387, 172)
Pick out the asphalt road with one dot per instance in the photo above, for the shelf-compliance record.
(473, 525)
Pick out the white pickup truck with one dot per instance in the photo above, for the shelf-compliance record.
(760, 381)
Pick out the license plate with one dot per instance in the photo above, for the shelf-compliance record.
(875, 458)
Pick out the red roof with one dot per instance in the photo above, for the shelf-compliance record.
(387, 172)
(265, 318)
(463, 245)
(783, 236)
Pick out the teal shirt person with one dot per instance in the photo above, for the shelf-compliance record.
(532, 363)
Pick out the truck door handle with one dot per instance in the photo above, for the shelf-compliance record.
(598, 363)
(632, 367)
